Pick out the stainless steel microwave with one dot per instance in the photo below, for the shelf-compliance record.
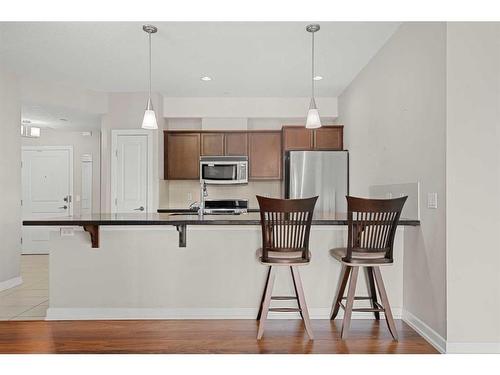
(224, 169)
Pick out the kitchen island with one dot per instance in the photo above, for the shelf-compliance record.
(130, 266)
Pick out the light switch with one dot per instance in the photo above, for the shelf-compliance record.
(67, 232)
(432, 200)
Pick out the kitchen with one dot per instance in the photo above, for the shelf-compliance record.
(173, 230)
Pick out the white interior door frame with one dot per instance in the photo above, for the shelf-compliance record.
(114, 146)
(63, 148)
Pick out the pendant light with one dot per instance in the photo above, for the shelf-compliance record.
(149, 120)
(313, 120)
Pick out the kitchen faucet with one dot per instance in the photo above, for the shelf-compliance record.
(203, 195)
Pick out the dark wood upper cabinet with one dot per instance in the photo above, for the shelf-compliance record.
(236, 144)
(329, 138)
(182, 155)
(263, 148)
(212, 144)
(297, 138)
(264, 153)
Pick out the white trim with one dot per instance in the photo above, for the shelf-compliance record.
(64, 148)
(431, 336)
(11, 283)
(473, 347)
(114, 141)
(61, 313)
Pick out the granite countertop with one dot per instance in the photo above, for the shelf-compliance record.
(195, 210)
(181, 218)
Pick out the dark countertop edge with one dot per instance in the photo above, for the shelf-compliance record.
(182, 210)
(180, 222)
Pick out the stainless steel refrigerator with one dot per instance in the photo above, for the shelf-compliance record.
(322, 173)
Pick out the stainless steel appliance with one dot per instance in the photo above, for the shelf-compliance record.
(224, 169)
(322, 173)
(226, 206)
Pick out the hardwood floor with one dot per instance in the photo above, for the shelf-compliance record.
(204, 336)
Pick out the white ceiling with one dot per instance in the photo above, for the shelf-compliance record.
(243, 58)
(59, 118)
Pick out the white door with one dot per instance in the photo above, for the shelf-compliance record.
(130, 189)
(47, 175)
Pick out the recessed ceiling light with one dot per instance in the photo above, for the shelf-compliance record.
(318, 78)
(206, 78)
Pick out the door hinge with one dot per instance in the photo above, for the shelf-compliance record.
(21, 202)
(116, 153)
(21, 240)
(116, 202)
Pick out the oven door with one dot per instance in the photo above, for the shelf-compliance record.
(219, 173)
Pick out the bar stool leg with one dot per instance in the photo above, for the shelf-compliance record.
(266, 302)
(302, 302)
(349, 302)
(264, 293)
(385, 303)
(370, 286)
(295, 289)
(342, 283)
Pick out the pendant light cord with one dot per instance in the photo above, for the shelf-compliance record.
(312, 67)
(149, 34)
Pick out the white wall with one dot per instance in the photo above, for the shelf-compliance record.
(394, 113)
(473, 187)
(10, 180)
(81, 145)
(245, 107)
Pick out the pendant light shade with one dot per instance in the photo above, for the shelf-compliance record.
(149, 120)
(313, 119)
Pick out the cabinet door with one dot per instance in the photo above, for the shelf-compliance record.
(329, 138)
(182, 154)
(212, 144)
(264, 151)
(236, 144)
(297, 138)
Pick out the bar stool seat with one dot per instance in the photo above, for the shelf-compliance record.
(361, 258)
(286, 258)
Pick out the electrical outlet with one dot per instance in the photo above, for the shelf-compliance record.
(67, 232)
(432, 200)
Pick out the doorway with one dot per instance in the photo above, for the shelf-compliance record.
(47, 191)
(131, 171)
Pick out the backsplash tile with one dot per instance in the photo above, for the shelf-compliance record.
(176, 193)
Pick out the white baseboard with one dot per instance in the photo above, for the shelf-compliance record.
(61, 313)
(11, 283)
(473, 348)
(434, 338)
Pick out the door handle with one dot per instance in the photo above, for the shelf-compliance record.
(139, 209)
(65, 207)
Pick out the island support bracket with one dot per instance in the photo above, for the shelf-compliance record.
(93, 230)
(182, 234)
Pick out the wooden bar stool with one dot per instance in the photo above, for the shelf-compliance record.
(286, 224)
(371, 226)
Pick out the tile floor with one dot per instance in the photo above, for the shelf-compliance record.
(30, 300)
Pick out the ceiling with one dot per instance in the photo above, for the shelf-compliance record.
(244, 58)
(59, 118)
